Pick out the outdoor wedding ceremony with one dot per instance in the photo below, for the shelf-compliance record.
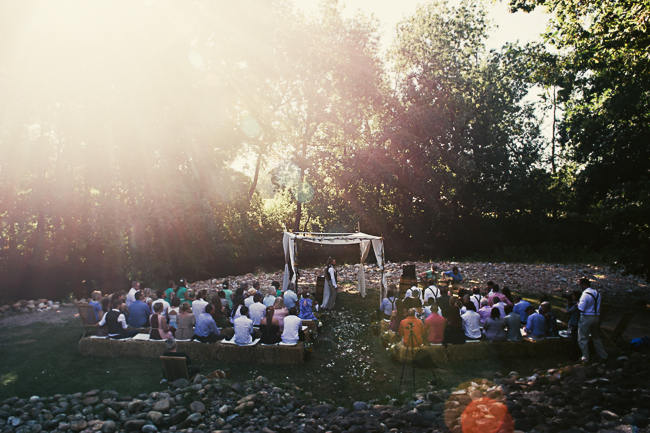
(311, 216)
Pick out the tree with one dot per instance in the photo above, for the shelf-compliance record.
(605, 50)
(462, 139)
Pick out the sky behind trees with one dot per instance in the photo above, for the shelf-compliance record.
(509, 27)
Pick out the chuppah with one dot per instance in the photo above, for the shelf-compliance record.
(365, 241)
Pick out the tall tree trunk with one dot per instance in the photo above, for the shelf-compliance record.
(255, 177)
(553, 132)
(296, 223)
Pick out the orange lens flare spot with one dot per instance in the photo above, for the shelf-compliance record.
(486, 415)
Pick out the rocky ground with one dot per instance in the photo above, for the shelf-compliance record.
(612, 397)
(29, 306)
(539, 279)
(58, 315)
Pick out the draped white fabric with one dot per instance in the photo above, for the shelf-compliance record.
(292, 256)
(288, 243)
(364, 241)
(287, 261)
(285, 277)
(361, 283)
(378, 248)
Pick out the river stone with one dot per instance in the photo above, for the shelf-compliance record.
(194, 418)
(110, 413)
(149, 428)
(134, 405)
(197, 406)
(90, 400)
(245, 406)
(360, 405)
(180, 383)
(162, 405)
(78, 425)
(155, 417)
(178, 416)
(109, 427)
(224, 409)
(134, 424)
(608, 415)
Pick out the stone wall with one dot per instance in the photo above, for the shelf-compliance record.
(260, 354)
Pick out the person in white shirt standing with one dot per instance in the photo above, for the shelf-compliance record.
(431, 292)
(476, 298)
(331, 285)
(292, 325)
(198, 305)
(589, 324)
(471, 322)
(130, 296)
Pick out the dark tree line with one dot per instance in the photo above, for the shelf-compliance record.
(105, 177)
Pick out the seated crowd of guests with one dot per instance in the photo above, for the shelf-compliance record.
(242, 315)
(442, 315)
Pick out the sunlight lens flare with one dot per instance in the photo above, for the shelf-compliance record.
(304, 192)
(486, 415)
(250, 127)
(478, 406)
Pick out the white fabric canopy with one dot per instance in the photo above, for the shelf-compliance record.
(364, 240)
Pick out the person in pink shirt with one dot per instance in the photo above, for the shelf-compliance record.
(434, 326)
(484, 311)
(280, 312)
(498, 295)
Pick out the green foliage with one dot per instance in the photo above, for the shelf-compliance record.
(101, 184)
(605, 65)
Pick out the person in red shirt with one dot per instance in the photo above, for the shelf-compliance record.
(411, 329)
(434, 325)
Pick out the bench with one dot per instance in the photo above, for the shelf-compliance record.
(260, 354)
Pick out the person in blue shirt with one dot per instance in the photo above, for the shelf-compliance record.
(535, 324)
(389, 303)
(306, 307)
(454, 274)
(520, 307)
(551, 321)
(139, 312)
(95, 302)
(290, 297)
(206, 330)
